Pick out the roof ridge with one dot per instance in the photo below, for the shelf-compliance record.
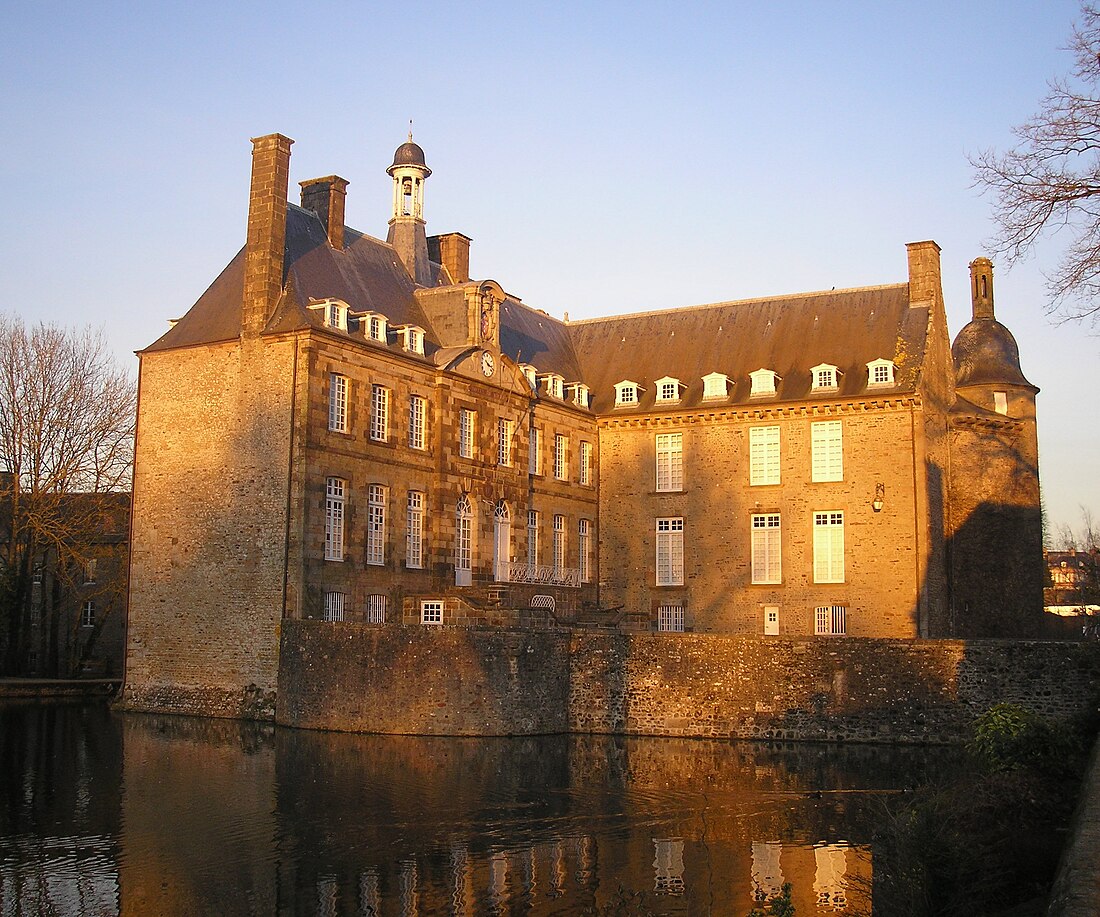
(733, 302)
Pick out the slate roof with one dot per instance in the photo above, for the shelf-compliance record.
(531, 336)
(787, 334)
(985, 352)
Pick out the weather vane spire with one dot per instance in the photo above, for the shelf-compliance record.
(410, 130)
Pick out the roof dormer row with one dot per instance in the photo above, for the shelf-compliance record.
(824, 378)
(374, 326)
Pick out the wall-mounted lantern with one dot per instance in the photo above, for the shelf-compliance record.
(880, 497)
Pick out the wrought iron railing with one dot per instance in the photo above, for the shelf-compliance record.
(540, 574)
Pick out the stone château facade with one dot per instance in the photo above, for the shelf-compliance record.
(348, 429)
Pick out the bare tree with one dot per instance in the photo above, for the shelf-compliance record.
(1051, 180)
(1084, 538)
(66, 448)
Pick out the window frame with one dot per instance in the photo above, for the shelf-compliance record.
(766, 549)
(627, 394)
(586, 463)
(467, 433)
(532, 537)
(414, 530)
(431, 611)
(559, 542)
(379, 413)
(668, 390)
(762, 382)
(711, 382)
(826, 451)
(335, 604)
(886, 368)
(336, 490)
(669, 532)
(828, 543)
(505, 432)
(831, 621)
(87, 613)
(825, 377)
(670, 617)
(561, 457)
(765, 468)
(377, 496)
(418, 416)
(337, 403)
(669, 456)
(534, 451)
(584, 549)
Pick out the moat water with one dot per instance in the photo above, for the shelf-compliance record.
(104, 814)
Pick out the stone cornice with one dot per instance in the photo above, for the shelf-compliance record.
(745, 413)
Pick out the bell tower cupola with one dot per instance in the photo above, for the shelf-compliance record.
(409, 172)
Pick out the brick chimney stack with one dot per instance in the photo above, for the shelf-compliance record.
(452, 250)
(265, 250)
(981, 287)
(925, 288)
(325, 197)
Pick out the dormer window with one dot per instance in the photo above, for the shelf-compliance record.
(668, 389)
(763, 382)
(555, 385)
(825, 377)
(373, 325)
(715, 385)
(627, 393)
(334, 313)
(412, 338)
(581, 396)
(530, 374)
(880, 372)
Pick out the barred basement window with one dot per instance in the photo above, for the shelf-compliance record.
(586, 463)
(379, 413)
(827, 450)
(431, 612)
(334, 519)
(767, 553)
(334, 606)
(376, 609)
(467, 423)
(584, 549)
(417, 412)
(559, 543)
(670, 461)
(670, 618)
(376, 524)
(337, 403)
(830, 620)
(670, 551)
(829, 547)
(763, 455)
(87, 614)
(414, 537)
(561, 460)
(532, 537)
(505, 431)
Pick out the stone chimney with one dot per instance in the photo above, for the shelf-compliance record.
(265, 250)
(981, 287)
(925, 288)
(452, 250)
(325, 197)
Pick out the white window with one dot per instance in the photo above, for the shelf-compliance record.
(414, 534)
(505, 431)
(533, 537)
(763, 455)
(670, 618)
(334, 313)
(561, 457)
(418, 409)
(829, 547)
(464, 524)
(337, 403)
(334, 606)
(715, 385)
(668, 389)
(826, 446)
(584, 549)
(763, 382)
(830, 620)
(413, 339)
(880, 372)
(87, 614)
(502, 541)
(467, 426)
(1000, 402)
(376, 326)
(379, 413)
(670, 551)
(555, 385)
(334, 519)
(670, 461)
(626, 393)
(36, 577)
(771, 620)
(534, 452)
(431, 611)
(586, 462)
(90, 570)
(530, 374)
(767, 548)
(376, 609)
(376, 524)
(559, 542)
(824, 377)
(581, 395)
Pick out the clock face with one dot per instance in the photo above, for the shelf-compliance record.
(487, 363)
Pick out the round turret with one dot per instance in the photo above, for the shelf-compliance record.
(986, 352)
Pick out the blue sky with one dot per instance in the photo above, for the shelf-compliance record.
(603, 157)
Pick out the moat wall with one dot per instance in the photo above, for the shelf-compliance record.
(444, 681)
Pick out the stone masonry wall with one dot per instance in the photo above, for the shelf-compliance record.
(453, 681)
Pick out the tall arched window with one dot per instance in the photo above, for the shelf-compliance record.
(502, 534)
(464, 526)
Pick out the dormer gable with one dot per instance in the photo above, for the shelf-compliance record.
(715, 385)
(880, 373)
(627, 393)
(334, 312)
(531, 374)
(763, 382)
(412, 338)
(668, 390)
(374, 325)
(825, 377)
(582, 396)
(555, 385)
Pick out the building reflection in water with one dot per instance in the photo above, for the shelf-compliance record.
(183, 816)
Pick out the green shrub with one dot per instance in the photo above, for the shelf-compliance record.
(777, 906)
(1009, 737)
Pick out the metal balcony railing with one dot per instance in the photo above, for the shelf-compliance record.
(515, 572)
